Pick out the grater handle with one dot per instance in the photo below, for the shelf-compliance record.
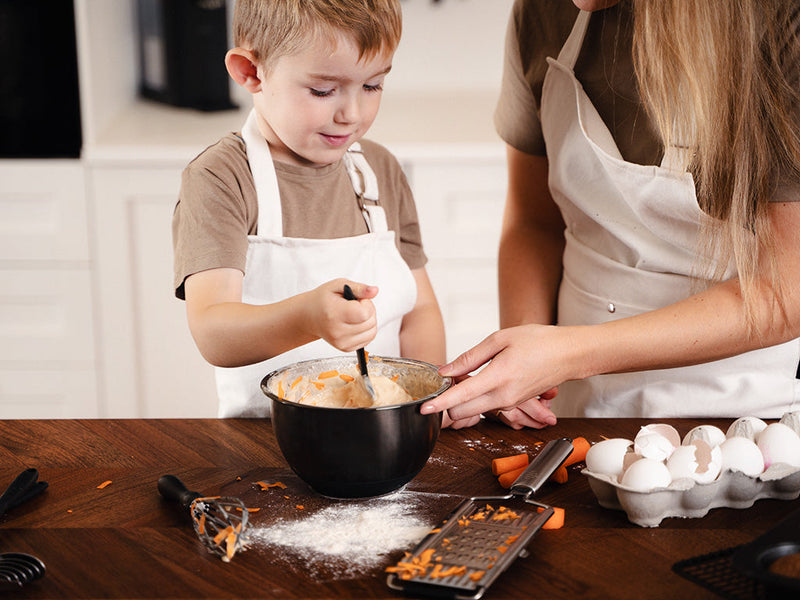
(542, 467)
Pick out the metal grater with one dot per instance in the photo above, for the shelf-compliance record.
(481, 537)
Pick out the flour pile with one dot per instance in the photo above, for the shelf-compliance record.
(348, 538)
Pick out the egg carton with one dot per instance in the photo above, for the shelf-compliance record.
(688, 499)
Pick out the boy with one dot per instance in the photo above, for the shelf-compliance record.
(271, 224)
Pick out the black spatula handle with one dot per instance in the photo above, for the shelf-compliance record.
(362, 357)
(173, 490)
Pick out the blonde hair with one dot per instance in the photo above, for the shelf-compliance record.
(271, 29)
(712, 76)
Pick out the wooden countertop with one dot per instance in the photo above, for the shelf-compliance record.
(124, 541)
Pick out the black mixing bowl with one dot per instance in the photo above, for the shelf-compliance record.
(357, 452)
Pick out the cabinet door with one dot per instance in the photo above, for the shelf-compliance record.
(151, 367)
(460, 206)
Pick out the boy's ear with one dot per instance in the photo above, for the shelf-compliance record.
(243, 69)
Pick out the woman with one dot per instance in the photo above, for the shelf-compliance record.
(650, 258)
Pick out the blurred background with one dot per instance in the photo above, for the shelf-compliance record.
(102, 104)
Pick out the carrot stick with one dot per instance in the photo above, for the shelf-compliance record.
(581, 447)
(505, 464)
(561, 475)
(508, 478)
(556, 520)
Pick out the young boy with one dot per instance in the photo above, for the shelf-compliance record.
(271, 223)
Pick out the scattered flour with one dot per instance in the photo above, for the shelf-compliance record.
(347, 538)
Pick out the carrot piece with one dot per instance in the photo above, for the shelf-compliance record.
(346, 377)
(561, 475)
(580, 448)
(556, 520)
(105, 484)
(318, 384)
(477, 575)
(280, 389)
(295, 382)
(328, 374)
(505, 464)
(507, 479)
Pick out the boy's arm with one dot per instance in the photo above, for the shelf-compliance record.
(422, 332)
(230, 333)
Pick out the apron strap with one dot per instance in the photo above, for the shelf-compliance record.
(572, 47)
(365, 185)
(270, 215)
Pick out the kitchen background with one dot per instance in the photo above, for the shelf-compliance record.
(89, 326)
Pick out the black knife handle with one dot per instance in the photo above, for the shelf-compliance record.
(17, 492)
(172, 489)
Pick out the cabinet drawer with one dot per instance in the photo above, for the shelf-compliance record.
(43, 211)
(46, 315)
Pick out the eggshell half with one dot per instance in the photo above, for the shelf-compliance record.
(657, 441)
(743, 455)
(779, 444)
(606, 457)
(645, 475)
(698, 461)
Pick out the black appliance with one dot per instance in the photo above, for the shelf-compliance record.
(182, 46)
(39, 98)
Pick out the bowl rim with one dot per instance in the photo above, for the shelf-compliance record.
(447, 382)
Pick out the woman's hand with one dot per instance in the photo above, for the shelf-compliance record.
(522, 367)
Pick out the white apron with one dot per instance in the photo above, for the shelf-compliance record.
(279, 267)
(631, 243)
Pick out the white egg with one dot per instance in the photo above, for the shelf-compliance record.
(713, 436)
(657, 441)
(607, 457)
(792, 420)
(698, 461)
(742, 454)
(779, 444)
(747, 427)
(645, 475)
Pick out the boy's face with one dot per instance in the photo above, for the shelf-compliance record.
(314, 104)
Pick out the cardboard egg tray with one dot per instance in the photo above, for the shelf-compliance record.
(687, 499)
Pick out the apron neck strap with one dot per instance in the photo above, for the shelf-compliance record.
(365, 185)
(572, 47)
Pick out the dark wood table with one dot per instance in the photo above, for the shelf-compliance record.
(125, 541)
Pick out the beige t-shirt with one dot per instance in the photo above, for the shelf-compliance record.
(538, 29)
(217, 207)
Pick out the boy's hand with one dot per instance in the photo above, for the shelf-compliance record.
(346, 325)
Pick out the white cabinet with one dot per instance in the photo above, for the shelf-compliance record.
(47, 345)
(149, 363)
(460, 204)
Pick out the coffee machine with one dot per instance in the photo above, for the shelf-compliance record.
(182, 46)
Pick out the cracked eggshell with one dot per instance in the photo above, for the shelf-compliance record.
(779, 444)
(607, 456)
(656, 441)
(711, 435)
(743, 455)
(747, 427)
(698, 461)
(646, 475)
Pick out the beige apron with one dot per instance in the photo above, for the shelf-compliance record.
(631, 244)
(279, 267)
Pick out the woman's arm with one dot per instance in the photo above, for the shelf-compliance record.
(525, 361)
(531, 244)
(230, 333)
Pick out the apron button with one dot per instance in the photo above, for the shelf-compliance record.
(611, 307)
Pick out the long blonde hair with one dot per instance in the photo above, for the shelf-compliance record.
(711, 73)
